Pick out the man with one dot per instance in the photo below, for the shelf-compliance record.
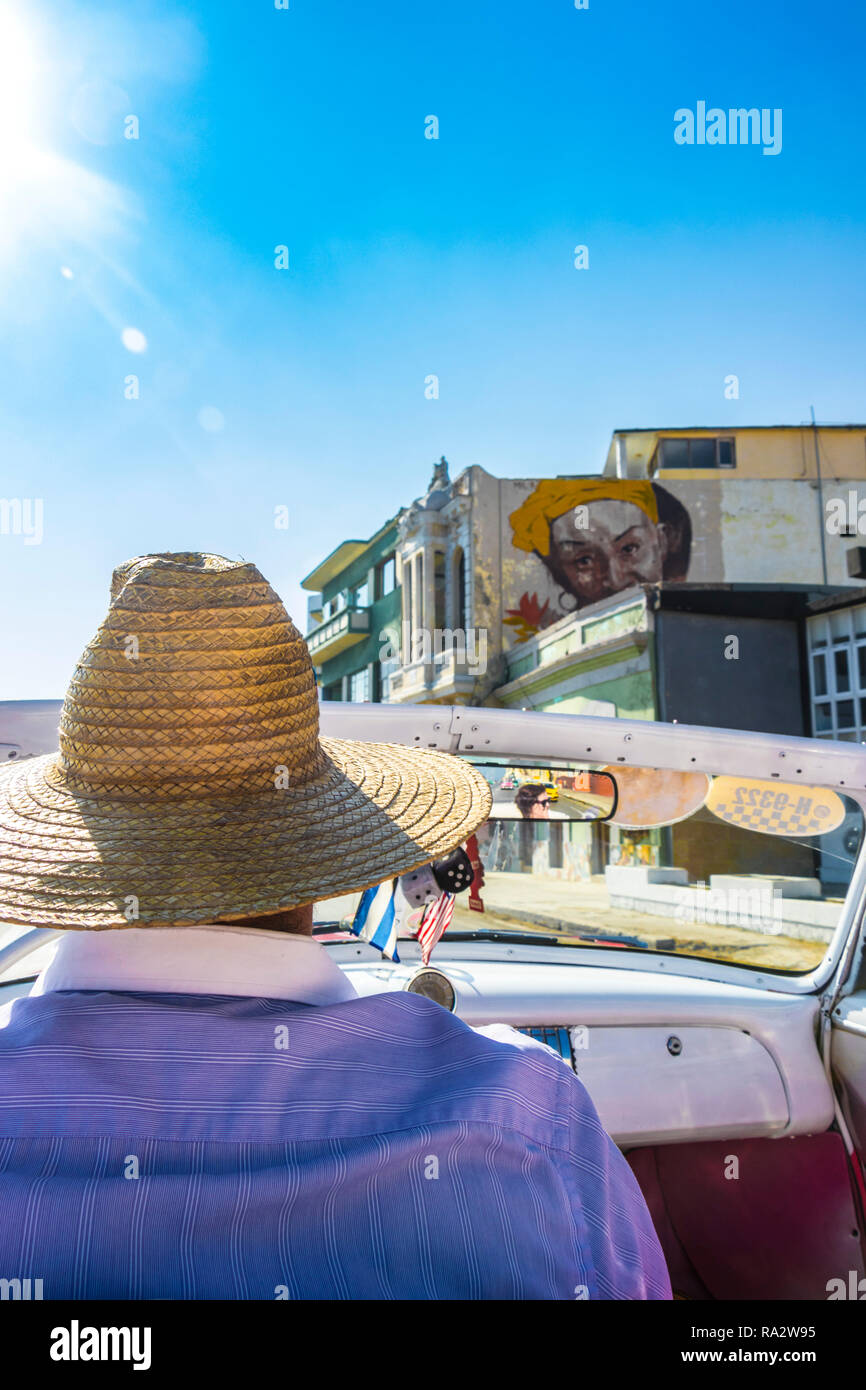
(195, 1103)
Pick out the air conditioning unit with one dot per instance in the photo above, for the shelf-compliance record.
(856, 560)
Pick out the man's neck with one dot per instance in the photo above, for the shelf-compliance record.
(297, 920)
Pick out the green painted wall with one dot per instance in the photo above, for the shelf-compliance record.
(355, 573)
(602, 629)
(632, 695)
(384, 612)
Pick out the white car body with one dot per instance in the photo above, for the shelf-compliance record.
(674, 1049)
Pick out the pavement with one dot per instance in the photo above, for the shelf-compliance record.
(575, 911)
(581, 909)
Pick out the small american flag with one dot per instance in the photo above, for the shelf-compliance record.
(436, 917)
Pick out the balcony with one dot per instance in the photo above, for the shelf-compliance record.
(446, 677)
(345, 629)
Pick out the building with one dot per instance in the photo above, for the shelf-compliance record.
(731, 656)
(836, 666)
(704, 576)
(354, 597)
(789, 477)
(765, 452)
(613, 592)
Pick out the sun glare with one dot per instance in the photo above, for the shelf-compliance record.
(18, 76)
(47, 200)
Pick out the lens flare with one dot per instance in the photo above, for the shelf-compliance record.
(133, 340)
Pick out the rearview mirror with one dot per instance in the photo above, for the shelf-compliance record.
(545, 794)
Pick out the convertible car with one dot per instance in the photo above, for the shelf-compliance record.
(694, 950)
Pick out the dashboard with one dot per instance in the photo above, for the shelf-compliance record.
(666, 1059)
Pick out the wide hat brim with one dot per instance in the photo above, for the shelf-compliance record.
(72, 859)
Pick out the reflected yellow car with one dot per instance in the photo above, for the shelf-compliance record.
(550, 787)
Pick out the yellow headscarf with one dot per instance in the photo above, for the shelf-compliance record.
(553, 497)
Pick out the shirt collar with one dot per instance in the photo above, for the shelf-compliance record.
(218, 959)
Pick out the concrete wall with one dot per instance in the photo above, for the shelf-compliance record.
(759, 531)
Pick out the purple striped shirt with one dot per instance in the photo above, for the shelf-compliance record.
(203, 1146)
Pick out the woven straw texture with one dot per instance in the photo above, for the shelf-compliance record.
(191, 782)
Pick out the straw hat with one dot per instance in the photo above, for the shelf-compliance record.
(191, 781)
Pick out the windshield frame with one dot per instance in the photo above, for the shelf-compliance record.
(481, 733)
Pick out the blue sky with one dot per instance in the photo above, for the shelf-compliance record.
(261, 127)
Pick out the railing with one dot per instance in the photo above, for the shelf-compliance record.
(442, 670)
(349, 625)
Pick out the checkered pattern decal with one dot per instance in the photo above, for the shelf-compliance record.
(774, 809)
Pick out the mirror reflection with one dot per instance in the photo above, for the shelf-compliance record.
(550, 794)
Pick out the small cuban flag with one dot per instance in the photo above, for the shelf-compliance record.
(375, 920)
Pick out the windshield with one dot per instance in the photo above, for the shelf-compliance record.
(725, 868)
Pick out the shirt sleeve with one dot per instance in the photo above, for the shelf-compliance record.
(618, 1251)
(613, 1226)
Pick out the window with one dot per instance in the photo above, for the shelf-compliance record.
(837, 674)
(359, 686)
(459, 581)
(361, 595)
(335, 605)
(439, 621)
(696, 453)
(419, 591)
(408, 615)
(673, 453)
(334, 691)
(702, 453)
(389, 664)
(386, 577)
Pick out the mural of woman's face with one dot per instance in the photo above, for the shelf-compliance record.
(617, 546)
